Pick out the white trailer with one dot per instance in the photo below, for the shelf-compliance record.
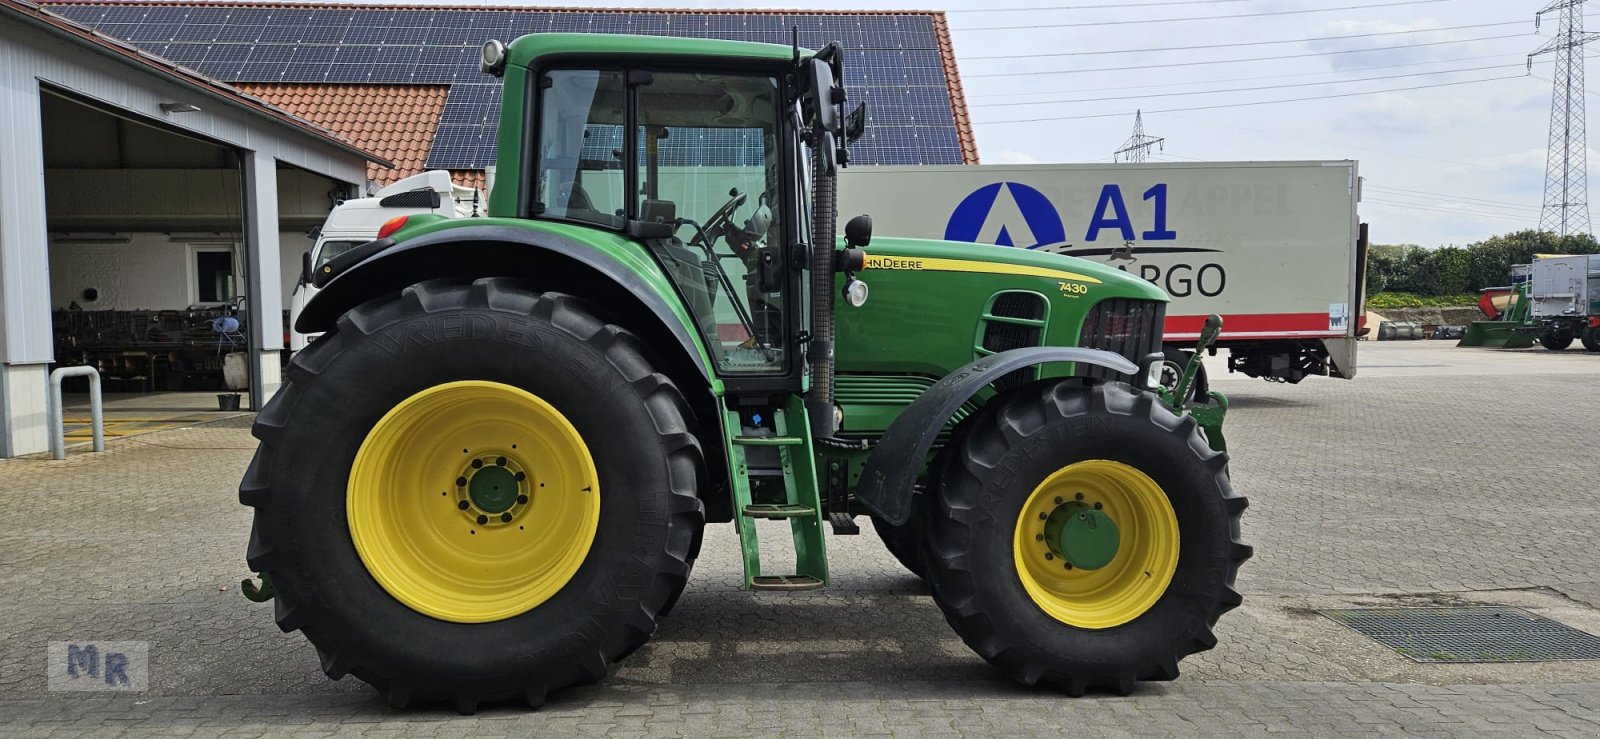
(1275, 248)
(1564, 300)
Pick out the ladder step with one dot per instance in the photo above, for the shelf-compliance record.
(785, 582)
(843, 524)
(768, 440)
(778, 510)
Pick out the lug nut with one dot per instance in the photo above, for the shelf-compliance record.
(1079, 496)
(1097, 506)
(462, 505)
(461, 482)
(505, 518)
(500, 461)
(476, 463)
(1048, 555)
(482, 519)
(1038, 537)
(1059, 501)
(520, 476)
(1044, 517)
(1067, 565)
(522, 500)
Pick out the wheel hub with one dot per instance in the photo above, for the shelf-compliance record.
(493, 489)
(1082, 536)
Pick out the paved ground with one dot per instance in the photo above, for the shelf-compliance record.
(129, 414)
(1442, 475)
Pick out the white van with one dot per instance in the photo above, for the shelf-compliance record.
(355, 222)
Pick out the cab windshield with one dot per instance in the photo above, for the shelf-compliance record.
(707, 159)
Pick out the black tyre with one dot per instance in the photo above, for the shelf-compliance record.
(1556, 339)
(1079, 456)
(1172, 369)
(1591, 339)
(904, 541)
(348, 480)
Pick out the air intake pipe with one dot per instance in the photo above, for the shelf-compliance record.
(824, 223)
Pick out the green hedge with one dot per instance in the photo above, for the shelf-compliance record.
(1461, 270)
(1413, 300)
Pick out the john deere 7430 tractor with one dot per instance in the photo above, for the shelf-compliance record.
(489, 477)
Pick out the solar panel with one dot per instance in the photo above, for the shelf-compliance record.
(892, 61)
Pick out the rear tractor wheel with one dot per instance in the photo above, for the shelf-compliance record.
(1084, 536)
(472, 493)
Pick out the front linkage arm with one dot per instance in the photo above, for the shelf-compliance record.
(1210, 411)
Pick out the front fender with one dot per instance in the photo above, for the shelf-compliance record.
(887, 479)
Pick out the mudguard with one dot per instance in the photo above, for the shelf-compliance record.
(384, 266)
(887, 479)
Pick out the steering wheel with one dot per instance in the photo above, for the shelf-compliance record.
(718, 221)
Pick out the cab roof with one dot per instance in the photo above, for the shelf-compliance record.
(523, 51)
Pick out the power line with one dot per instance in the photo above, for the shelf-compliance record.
(1454, 205)
(1451, 211)
(1485, 201)
(1242, 89)
(1254, 78)
(1095, 7)
(1253, 103)
(1146, 21)
(1248, 59)
(1339, 144)
(1376, 34)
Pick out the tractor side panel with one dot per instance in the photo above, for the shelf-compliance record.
(935, 306)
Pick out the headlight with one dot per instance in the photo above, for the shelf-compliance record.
(855, 293)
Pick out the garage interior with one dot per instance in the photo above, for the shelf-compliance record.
(147, 259)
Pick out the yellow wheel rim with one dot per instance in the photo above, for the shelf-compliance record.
(473, 501)
(1146, 555)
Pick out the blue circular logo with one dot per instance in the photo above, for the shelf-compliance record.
(1028, 212)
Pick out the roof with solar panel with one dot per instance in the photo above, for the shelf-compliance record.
(899, 62)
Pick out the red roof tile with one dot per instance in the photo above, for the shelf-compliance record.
(395, 122)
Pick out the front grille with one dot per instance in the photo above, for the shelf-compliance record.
(1131, 328)
(1019, 305)
(999, 336)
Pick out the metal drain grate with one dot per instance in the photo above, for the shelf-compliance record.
(1469, 634)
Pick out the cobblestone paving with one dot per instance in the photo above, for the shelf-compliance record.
(1400, 487)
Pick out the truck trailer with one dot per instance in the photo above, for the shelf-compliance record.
(1276, 248)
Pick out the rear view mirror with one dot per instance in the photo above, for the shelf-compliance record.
(819, 94)
(855, 123)
(305, 267)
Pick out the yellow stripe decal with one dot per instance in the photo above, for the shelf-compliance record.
(939, 264)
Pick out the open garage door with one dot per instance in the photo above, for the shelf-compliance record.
(148, 259)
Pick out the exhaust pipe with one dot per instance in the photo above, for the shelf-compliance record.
(819, 350)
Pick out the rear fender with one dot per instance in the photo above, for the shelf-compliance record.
(891, 471)
(546, 260)
(553, 262)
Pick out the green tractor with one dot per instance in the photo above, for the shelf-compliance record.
(488, 479)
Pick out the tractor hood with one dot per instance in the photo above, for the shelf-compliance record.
(889, 254)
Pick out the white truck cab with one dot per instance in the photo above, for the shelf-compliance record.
(355, 222)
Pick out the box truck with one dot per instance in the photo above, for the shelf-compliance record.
(1275, 248)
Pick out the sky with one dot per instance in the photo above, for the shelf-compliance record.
(1455, 159)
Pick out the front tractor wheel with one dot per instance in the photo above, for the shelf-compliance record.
(1083, 536)
(472, 493)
